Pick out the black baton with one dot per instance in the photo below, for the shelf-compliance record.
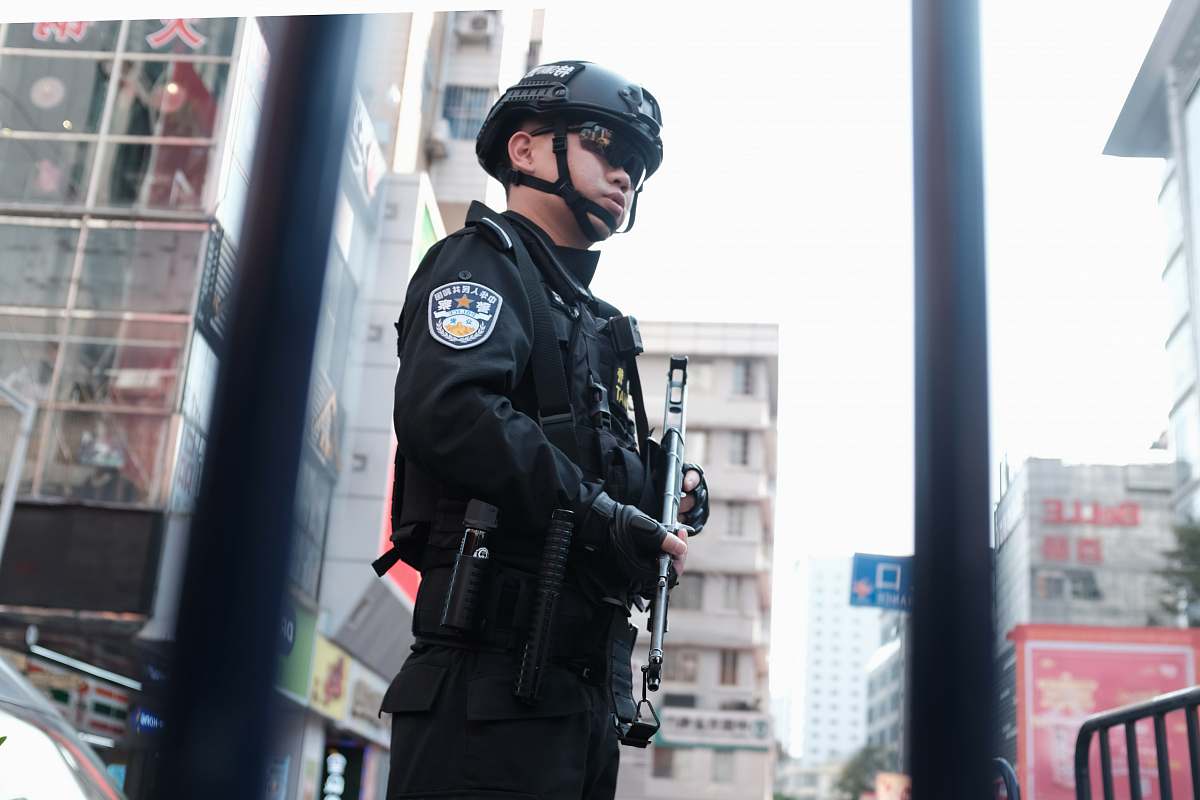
(550, 583)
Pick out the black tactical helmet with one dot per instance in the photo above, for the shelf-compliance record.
(619, 119)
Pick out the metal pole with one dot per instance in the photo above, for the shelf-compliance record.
(951, 723)
(28, 411)
(221, 680)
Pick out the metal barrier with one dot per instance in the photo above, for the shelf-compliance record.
(1185, 700)
(1007, 775)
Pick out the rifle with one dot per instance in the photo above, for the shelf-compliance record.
(674, 425)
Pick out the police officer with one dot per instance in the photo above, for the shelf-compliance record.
(518, 388)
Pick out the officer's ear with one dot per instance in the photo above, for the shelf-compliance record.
(521, 152)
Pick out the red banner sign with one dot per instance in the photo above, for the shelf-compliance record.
(1067, 673)
(1077, 512)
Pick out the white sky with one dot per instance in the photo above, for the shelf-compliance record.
(785, 196)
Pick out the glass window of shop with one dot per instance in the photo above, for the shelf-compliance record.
(115, 116)
(94, 330)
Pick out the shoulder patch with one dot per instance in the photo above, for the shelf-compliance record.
(463, 314)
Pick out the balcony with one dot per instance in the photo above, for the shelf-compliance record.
(717, 554)
(709, 629)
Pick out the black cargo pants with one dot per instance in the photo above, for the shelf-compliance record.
(458, 732)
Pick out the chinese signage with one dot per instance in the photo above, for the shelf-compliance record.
(367, 164)
(881, 581)
(329, 693)
(1067, 673)
(1058, 548)
(1077, 512)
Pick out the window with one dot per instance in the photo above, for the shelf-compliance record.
(733, 592)
(729, 667)
(739, 452)
(37, 262)
(464, 109)
(679, 700)
(690, 591)
(722, 766)
(743, 377)
(736, 525)
(139, 269)
(153, 176)
(681, 666)
(662, 763)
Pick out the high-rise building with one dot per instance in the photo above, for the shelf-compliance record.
(716, 739)
(1078, 544)
(1161, 119)
(838, 642)
(887, 690)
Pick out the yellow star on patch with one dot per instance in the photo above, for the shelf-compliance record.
(464, 302)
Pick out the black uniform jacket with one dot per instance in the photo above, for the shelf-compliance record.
(465, 406)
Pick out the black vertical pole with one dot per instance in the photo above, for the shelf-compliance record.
(227, 633)
(951, 727)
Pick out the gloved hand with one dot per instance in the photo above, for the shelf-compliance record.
(633, 539)
(693, 508)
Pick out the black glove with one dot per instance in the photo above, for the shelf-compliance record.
(698, 516)
(633, 540)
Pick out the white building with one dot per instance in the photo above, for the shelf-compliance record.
(887, 713)
(716, 739)
(839, 641)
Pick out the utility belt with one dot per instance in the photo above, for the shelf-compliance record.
(593, 640)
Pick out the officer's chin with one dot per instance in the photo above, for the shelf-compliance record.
(600, 228)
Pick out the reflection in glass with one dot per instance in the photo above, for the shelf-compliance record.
(139, 269)
(122, 363)
(82, 35)
(44, 172)
(163, 98)
(10, 423)
(36, 268)
(1181, 352)
(153, 176)
(190, 36)
(28, 348)
(52, 95)
(111, 457)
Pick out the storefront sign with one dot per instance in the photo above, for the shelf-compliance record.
(342, 778)
(1078, 512)
(329, 693)
(366, 696)
(297, 630)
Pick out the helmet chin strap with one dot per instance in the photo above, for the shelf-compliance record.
(578, 205)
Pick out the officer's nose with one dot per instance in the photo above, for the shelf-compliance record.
(621, 178)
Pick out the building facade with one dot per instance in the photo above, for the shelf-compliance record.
(1161, 119)
(1078, 544)
(125, 155)
(887, 690)
(839, 641)
(716, 738)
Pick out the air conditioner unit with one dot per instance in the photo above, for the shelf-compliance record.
(474, 26)
(436, 145)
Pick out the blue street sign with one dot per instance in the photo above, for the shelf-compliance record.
(881, 581)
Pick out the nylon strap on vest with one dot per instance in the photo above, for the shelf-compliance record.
(549, 374)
